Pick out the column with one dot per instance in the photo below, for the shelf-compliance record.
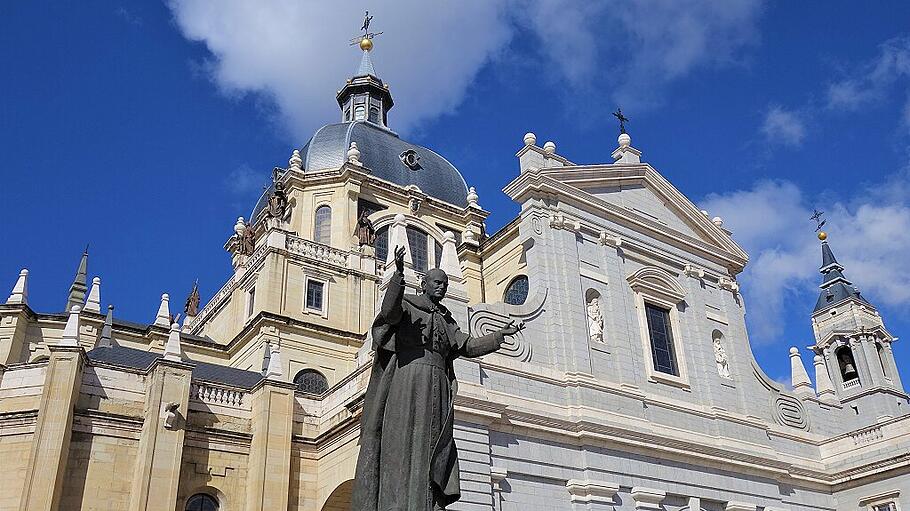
(158, 461)
(51, 441)
(270, 451)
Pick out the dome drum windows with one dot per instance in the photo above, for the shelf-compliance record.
(322, 225)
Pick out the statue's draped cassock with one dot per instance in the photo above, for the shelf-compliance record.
(408, 460)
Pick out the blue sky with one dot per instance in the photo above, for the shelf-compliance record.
(146, 128)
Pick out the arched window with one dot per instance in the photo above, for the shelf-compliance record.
(417, 243)
(517, 292)
(311, 381)
(322, 229)
(201, 502)
(847, 364)
(360, 113)
(374, 115)
(382, 243)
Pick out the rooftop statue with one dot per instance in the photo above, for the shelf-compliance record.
(366, 233)
(278, 200)
(407, 456)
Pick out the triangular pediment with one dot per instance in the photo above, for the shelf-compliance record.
(637, 192)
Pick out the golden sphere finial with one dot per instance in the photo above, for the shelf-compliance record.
(366, 44)
(822, 235)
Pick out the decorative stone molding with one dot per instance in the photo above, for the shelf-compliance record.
(728, 285)
(584, 491)
(655, 281)
(740, 506)
(606, 238)
(559, 221)
(647, 498)
(693, 271)
(789, 411)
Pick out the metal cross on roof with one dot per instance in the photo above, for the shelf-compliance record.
(367, 35)
(817, 217)
(622, 120)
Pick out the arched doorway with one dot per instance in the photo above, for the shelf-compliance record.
(340, 499)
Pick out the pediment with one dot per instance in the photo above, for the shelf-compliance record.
(637, 193)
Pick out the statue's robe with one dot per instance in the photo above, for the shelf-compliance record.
(408, 460)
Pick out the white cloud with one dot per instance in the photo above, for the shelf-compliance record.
(870, 83)
(870, 236)
(783, 126)
(295, 52)
(243, 180)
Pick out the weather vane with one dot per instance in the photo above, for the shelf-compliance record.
(622, 120)
(366, 39)
(819, 223)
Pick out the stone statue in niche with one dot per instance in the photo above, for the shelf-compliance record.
(595, 319)
(720, 357)
(366, 234)
(408, 459)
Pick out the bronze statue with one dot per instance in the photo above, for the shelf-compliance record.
(278, 200)
(191, 308)
(408, 459)
(366, 234)
(247, 240)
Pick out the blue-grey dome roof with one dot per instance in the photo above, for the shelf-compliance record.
(380, 151)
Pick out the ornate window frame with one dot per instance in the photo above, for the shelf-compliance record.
(871, 502)
(657, 287)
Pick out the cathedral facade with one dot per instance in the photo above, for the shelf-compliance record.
(632, 387)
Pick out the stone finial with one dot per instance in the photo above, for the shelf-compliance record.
(163, 318)
(107, 340)
(274, 370)
(473, 198)
(718, 221)
(19, 294)
(823, 386)
(449, 260)
(354, 154)
(398, 237)
(240, 226)
(530, 138)
(172, 347)
(624, 140)
(799, 378)
(549, 147)
(93, 302)
(296, 162)
(71, 330)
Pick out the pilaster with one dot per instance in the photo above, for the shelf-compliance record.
(157, 472)
(53, 430)
(270, 450)
(13, 325)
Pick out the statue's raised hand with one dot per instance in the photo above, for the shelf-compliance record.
(399, 259)
(511, 328)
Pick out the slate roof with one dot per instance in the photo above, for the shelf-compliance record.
(139, 359)
(835, 287)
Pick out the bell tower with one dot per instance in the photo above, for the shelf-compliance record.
(854, 344)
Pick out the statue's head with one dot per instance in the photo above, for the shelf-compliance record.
(435, 284)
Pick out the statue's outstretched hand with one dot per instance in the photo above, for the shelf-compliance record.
(399, 259)
(512, 329)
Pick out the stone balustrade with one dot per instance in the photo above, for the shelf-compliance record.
(317, 251)
(219, 395)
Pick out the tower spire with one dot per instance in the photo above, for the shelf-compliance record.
(79, 286)
(364, 96)
(835, 287)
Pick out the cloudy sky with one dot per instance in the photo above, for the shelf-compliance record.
(146, 129)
